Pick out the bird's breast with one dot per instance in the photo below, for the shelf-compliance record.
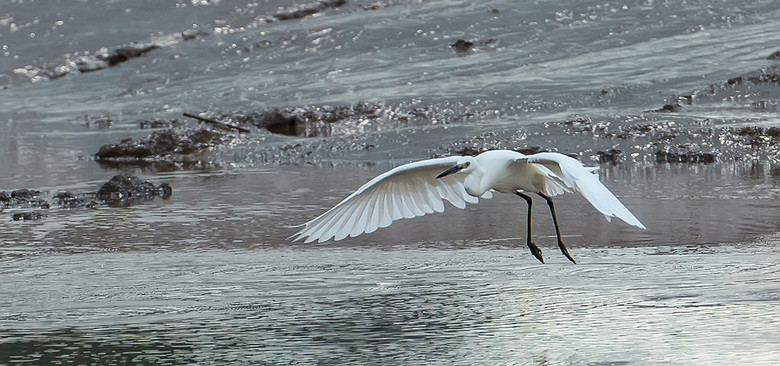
(515, 178)
(473, 185)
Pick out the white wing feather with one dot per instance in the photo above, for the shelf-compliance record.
(406, 191)
(582, 179)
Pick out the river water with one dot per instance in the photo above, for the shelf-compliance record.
(208, 275)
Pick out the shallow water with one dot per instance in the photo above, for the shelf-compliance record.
(202, 279)
(209, 277)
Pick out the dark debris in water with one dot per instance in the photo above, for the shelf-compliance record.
(121, 190)
(464, 47)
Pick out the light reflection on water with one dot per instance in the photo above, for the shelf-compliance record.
(208, 277)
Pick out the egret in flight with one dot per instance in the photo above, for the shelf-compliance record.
(420, 188)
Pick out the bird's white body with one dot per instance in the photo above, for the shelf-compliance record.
(419, 188)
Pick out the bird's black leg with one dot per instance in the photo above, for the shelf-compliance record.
(564, 250)
(534, 249)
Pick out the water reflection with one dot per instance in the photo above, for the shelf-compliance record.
(681, 205)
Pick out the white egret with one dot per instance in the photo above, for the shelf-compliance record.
(419, 188)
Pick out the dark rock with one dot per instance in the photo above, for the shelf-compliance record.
(128, 52)
(162, 143)
(754, 131)
(125, 186)
(305, 10)
(462, 46)
(736, 80)
(24, 194)
(69, 200)
(27, 216)
(23, 198)
(165, 190)
(774, 56)
(126, 189)
(751, 131)
(121, 190)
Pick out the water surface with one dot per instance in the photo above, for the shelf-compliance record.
(209, 277)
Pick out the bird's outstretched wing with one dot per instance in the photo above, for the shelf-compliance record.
(582, 179)
(406, 191)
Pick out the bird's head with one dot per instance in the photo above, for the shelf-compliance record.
(461, 166)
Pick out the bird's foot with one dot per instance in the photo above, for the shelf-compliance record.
(565, 251)
(536, 251)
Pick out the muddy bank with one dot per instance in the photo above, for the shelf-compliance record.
(168, 145)
(345, 128)
(758, 90)
(618, 139)
(85, 62)
(121, 190)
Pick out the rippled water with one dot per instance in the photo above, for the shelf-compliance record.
(481, 305)
(209, 277)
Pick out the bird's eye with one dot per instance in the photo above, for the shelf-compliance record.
(466, 164)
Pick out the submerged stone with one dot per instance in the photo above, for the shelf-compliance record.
(123, 187)
(27, 216)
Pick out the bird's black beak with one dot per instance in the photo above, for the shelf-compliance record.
(449, 171)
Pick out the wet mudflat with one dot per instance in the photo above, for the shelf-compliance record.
(231, 121)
